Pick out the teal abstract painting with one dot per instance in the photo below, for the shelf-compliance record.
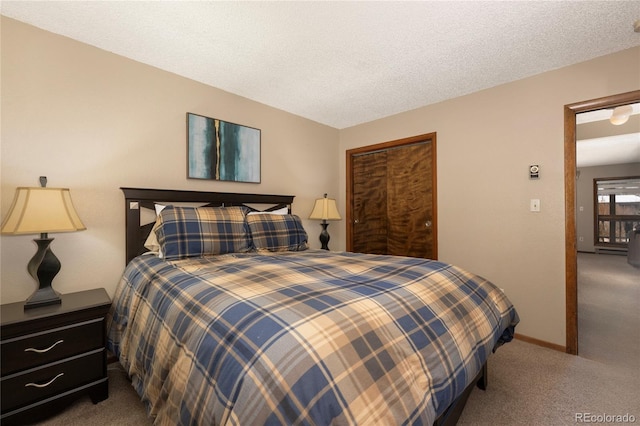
(220, 150)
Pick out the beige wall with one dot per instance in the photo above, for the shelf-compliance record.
(486, 142)
(93, 121)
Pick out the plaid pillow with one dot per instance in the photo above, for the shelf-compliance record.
(200, 231)
(275, 232)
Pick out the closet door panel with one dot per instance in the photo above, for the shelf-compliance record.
(370, 203)
(409, 200)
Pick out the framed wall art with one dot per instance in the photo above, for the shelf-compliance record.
(219, 150)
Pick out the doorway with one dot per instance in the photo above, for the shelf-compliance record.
(570, 170)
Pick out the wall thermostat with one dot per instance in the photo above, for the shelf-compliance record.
(534, 172)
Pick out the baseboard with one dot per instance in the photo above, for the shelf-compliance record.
(539, 342)
(620, 251)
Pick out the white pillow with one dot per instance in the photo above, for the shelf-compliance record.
(151, 243)
(282, 211)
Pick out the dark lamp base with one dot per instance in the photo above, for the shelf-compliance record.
(324, 236)
(43, 297)
(43, 267)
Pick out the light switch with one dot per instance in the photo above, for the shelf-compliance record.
(535, 205)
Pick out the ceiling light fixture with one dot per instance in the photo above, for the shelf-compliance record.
(621, 114)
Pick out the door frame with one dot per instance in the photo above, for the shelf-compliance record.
(380, 147)
(571, 252)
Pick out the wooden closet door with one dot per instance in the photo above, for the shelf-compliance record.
(369, 203)
(409, 205)
(391, 198)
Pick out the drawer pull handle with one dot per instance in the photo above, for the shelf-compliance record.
(40, 351)
(35, 385)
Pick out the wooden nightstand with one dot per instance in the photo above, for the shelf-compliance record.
(53, 354)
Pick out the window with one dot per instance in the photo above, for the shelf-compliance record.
(617, 210)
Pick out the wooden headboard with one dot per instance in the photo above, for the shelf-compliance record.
(138, 198)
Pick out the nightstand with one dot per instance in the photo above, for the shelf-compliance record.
(53, 354)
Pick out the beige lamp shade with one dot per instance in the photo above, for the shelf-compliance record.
(325, 209)
(41, 210)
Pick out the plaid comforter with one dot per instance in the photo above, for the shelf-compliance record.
(306, 338)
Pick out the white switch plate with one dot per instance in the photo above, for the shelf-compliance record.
(535, 205)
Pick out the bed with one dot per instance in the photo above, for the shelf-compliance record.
(232, 320)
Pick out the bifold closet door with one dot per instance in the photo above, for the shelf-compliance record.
(370, 203)
(409, 201)
(393, 201)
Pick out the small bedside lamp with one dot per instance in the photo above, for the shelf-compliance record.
(325, 209)
(42, 210)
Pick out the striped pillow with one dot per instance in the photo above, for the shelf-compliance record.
(201, 231)
(277, 232)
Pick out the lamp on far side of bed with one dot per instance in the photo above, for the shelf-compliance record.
(325, 209)
(41, 210)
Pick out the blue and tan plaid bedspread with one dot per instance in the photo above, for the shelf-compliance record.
(305, 338)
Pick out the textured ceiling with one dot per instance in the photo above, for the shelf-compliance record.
(345, 63)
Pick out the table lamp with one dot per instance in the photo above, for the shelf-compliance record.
(325, 209)
(42, 210)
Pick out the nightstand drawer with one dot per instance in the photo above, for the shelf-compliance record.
(51, 355)
(47, 346)
(22, 389)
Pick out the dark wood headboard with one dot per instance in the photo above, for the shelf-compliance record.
(138, 198)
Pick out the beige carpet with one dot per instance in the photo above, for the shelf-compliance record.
(609, 310)
(528, 385)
